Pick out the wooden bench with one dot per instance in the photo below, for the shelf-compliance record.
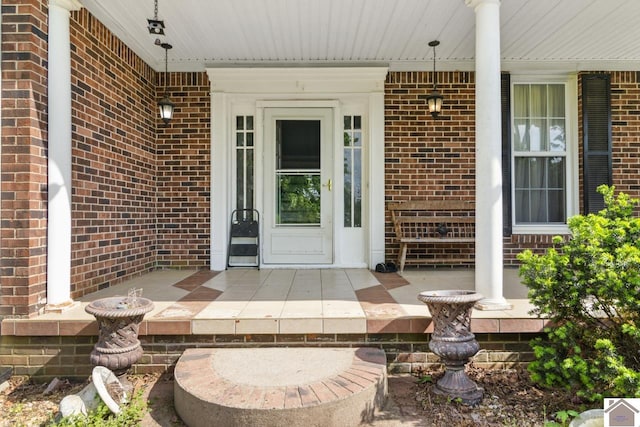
(433, 222)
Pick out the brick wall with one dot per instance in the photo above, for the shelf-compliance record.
(625, 118)
(184, 171)
(427, 158)
(516, 243)
(114, 158)
(140, 191)
(23, 205)
(45, 357)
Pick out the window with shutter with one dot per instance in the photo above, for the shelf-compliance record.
(596, 126)
(543, 153)
(505, 100)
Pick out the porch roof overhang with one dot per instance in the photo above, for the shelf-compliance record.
(536, 36)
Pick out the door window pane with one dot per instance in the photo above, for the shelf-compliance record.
(348, 187)
(298, 172)
(352, 162)
(298, 199)
(298, 144)
(244, 162)
(357, 189)
(240, 182)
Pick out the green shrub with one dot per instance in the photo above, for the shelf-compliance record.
(589, 286)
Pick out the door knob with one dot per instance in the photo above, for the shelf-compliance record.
(328, 185)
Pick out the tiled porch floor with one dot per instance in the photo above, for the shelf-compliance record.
(289, 301)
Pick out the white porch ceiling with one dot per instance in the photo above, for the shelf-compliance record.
(536, 35)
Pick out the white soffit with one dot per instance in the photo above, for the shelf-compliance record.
(561, 34)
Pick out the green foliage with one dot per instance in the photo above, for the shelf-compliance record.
(425, 379)
(130, 415)
(563, 418)
(589, 286)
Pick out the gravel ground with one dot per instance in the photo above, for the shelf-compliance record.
(509, 400)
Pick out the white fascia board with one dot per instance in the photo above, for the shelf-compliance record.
(298, 80)
(523, 66)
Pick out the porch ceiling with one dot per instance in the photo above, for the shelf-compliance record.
(536, 35)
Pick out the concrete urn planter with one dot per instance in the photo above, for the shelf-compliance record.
(453, 341)
(119, 320)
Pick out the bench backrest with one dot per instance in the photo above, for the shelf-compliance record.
(444, 219)
(433, 205)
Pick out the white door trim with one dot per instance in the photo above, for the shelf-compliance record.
(262, 87)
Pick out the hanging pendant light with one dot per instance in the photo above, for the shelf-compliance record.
(165, 104)
(434, 100)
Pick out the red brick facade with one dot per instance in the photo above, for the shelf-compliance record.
(114, 159)
(23, 165)
(625, 124)
(427, 158)
(141, 191)
(184, 174)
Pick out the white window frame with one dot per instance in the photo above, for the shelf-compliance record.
(571, 135)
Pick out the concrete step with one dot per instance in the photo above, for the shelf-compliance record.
(280, 386)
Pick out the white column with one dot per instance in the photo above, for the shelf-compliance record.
(59, 161)
(376, 179)
(489, 254)
(220, 191)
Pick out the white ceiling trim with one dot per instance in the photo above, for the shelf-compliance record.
(469, 65)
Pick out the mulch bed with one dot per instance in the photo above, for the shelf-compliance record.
(510, 399)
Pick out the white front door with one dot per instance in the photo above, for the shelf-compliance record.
(298, 186)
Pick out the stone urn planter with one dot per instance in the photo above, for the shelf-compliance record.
(118, 319)
(453, 341)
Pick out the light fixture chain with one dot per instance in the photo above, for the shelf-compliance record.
(166, 67)
(435, 76)
(155, 10)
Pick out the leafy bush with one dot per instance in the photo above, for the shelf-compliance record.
(589, 286)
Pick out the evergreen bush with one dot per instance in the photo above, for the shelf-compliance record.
(588, 285)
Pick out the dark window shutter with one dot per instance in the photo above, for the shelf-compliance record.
(596, 130)
(505, 99)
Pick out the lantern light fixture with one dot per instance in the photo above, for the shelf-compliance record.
(165, 104)
(434, 100)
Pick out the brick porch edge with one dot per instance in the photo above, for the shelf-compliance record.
(43, 357)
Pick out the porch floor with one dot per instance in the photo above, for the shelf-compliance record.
(288, 301)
